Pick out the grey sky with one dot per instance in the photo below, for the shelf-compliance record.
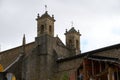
(97, 20)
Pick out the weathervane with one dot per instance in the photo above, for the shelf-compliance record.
(45, 7)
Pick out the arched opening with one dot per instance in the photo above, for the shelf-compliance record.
(50, 29)
(77, 44)
(70, 42)
(10, 76)
(42, 29)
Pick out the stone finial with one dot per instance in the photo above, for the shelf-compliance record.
(66, 30)
(57, 35)
(24, 40)
(38, 15)
(53, 16)
(23, 44)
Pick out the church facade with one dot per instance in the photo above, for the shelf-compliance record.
(48, 58)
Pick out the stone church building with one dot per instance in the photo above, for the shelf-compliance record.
(48, 58)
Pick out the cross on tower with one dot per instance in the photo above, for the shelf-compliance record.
(45, 7)
(72, 23)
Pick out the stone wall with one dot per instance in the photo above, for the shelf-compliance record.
(69, 68)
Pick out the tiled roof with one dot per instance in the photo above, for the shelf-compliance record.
(90, 53)
(103, 58)
(45, 15)
(72, 30)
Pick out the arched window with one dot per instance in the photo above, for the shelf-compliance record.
(10, 76)
(70, 42)
(77, 44)
(50, 29)
(42, 29)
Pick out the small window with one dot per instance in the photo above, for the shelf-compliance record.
(118, 75)
(42, 29)
(103, 66)
(77, 44)
(70, 42)
(50, 29)
(115, 76)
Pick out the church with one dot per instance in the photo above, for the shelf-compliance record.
(48, 58)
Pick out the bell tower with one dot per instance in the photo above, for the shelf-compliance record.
(45, 24)
(73, 40)
(43, 52)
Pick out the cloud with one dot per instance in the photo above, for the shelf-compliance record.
(102, 32)
(97, 20)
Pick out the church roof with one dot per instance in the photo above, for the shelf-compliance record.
(45, 15)
(73, 30)
(9, 56)
(15, 61)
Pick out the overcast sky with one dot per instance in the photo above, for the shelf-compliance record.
(97, 20)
